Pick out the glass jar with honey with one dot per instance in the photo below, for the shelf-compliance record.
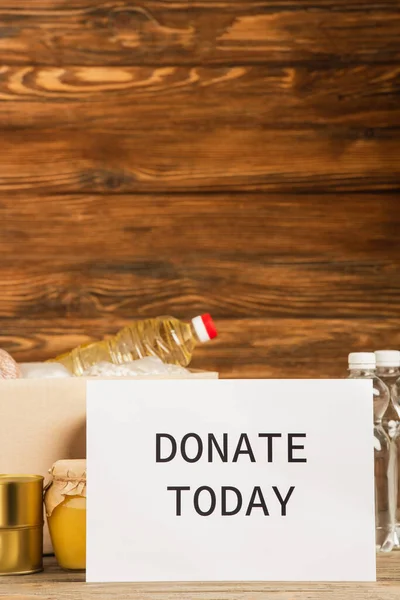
(65, 501)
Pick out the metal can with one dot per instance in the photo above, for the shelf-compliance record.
(21, 524)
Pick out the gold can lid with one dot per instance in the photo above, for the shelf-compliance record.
(21, 501)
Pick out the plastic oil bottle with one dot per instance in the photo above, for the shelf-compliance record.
(362, 365)
(388, 369)
(166, 337)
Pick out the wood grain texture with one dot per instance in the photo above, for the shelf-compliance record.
(88, 32)
(191, 285)
(235, 255)
(70, 586)
(129, 99)
(157, 160)
(238, 157)
(295, 227)
(284, 347)
(82, 129)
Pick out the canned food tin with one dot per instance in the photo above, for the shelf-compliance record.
(21, 524)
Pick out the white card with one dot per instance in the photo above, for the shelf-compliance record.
(295, 506)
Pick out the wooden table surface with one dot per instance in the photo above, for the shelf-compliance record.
(54, 584)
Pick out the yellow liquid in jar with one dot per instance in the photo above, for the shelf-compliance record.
(67, 525)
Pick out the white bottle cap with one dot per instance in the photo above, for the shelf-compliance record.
(362, 360)
(387, 358)
(204, 327)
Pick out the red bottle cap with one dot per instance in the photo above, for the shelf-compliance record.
(204, 327)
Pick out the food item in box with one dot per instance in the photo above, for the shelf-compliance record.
(166, 337)
(151, 365)
(43, 370)
(65, 501)
(8, 367)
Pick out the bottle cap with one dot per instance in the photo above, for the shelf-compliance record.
(362, 360)
(387, 358)
(204, 327)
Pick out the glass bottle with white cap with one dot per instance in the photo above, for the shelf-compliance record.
(388, 369)
(362, 366)
(388, 366)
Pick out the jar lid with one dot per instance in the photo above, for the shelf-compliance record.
(69, 470)
(21, 501)
(69, 479)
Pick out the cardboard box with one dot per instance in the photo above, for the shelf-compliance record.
(44, 420)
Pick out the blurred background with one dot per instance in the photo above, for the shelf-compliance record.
(237, 157)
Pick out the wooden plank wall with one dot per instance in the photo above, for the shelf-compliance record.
(171, 157)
